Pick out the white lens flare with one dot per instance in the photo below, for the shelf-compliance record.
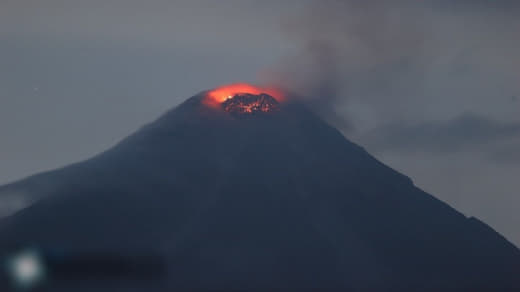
(26, 269)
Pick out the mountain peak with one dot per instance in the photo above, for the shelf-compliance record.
(217, 96)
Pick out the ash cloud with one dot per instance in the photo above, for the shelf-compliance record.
(383, 61)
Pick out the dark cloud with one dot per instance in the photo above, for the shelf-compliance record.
(468, 132)
(507, 154)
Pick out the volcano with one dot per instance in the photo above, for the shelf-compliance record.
(273, 202)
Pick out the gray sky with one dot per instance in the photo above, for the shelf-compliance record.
(429, 87)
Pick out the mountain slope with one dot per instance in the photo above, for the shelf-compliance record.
(278, 201)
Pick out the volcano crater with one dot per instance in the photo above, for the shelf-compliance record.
(246, 104)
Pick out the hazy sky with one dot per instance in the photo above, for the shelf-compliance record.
(432, 88)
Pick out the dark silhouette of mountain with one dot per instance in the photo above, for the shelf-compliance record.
(271, 202)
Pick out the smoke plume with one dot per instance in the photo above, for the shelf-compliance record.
(402, 60)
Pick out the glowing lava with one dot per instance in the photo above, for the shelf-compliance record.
(219, 95)
(245, 103)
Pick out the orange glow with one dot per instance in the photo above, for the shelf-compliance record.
(219, 95)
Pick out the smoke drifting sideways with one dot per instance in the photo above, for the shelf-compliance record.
(365, 63)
